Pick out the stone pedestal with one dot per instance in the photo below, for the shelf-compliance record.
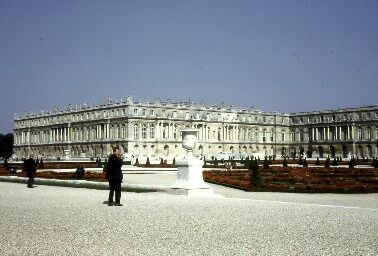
(189, 170)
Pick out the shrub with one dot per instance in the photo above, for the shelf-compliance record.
(99, 165)
(284, 164)
(317, 161)
(136, 162)
(326, 164)
(148, 162)
(334, 163)
(374, 163)
(305, 164)
(255, 173)
(352, 162)
(215, 161)
(266, 163)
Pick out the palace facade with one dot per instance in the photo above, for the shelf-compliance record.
(152, 129)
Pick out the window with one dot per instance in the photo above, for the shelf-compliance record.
(301, 120)
(283, 136)
(368, 115)
(152, 112)
(369, 133)
(152, 131)
(256, 119)
(144, 131)
(136, 131)
(136, 111)
(264, 119)
(292, 136)
(144, 111)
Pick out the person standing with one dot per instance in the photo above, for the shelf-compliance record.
(30, 167)
(114, 176)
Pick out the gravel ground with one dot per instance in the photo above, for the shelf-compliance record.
(51, 220)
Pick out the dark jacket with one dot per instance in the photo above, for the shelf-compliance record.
(113, 170)
(30, 167)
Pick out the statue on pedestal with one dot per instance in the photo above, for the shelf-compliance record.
(189, 169)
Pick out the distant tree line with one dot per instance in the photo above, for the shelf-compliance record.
(6, 145)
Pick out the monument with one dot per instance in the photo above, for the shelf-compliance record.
(189, 170)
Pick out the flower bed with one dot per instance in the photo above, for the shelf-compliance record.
(297, 179)
(92, 176)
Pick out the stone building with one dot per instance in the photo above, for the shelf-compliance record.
(152, 129)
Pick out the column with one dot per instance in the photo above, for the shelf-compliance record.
(328, 138)
(108, 130)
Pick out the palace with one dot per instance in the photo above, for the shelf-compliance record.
(152, 129)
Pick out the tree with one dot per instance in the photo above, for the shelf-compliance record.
(266, 163)
(284, 164)
(352, 162)
(305, 164)
(255, 173)
(6, 145)
(148, 162)
(374, 163)
(334, 163)
(317, 161)
(136, 162)
(326, 164)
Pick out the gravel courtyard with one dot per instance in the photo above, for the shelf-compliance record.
(49, 220)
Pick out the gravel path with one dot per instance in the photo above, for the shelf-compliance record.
(51, 220)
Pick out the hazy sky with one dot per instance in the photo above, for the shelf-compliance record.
(286, 56)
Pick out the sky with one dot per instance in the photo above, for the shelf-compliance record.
(285, 56)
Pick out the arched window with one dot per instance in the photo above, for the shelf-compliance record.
(136, 131)
(152, 131)
(369, 133)
(283, 136)
(292, 136)
(360, 133)
(144, 131)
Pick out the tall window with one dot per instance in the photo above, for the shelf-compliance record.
(369, 134)
(152, 131)
(136, 111)
(144, 131)
(264, 134)
(360, 133)
(136, 131)
(292, 136)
